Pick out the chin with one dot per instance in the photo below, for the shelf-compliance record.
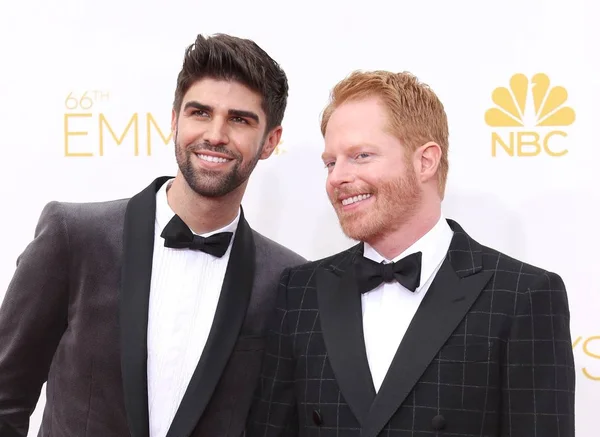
(359, 228)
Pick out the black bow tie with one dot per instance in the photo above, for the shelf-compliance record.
(406, 271)
(177, 235)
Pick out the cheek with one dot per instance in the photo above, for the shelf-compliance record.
(328, 187)
(246, 144)
(384, 176)
(371, 174)
(330, 194)
(368, 182)
(188, 132)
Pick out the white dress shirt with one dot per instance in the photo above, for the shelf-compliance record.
(184, 292)
(388, 309)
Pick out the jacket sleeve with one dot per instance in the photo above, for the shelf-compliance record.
(538, 391)
(33, 317)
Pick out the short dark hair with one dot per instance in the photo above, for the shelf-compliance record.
(228, 57)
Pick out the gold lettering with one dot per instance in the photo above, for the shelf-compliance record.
(69, 133)
(149, 122)
(585, 347)
(508, 148)
(133, 121)
(521, 142)
(589, 376)
(547, 149)
(589, 353)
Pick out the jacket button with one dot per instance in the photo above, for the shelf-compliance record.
(317, 418)
(438, 422)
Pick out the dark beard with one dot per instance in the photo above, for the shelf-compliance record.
(210, 183)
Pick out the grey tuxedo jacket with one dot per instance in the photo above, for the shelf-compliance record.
(75, 316)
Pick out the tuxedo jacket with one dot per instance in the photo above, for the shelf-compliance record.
(76, 314)
(488, 353)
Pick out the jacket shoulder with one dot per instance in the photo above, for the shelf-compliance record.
(516, 271)
(75, 209)
(333, 263)
(275, 252)
(92, 217)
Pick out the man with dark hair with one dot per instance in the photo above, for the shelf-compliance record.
(146, 316)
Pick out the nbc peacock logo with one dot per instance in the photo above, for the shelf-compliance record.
(528, 114)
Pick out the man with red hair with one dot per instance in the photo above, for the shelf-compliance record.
(418, 329)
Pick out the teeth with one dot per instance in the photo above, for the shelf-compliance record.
(351, 200)
(211, 158)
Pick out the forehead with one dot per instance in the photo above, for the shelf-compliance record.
(224, 94)
(357, 122)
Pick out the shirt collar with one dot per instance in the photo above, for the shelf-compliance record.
(433, 246)
(164, 213)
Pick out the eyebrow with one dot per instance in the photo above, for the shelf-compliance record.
(197, 105)
(244, 114)
(234, 112)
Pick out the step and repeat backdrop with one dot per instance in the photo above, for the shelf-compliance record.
(86, 90)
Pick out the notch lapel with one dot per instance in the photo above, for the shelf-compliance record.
(341, 323)
(228, 321)
(138, 249)
(455, 288)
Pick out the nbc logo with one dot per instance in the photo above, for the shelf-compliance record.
(528, 114)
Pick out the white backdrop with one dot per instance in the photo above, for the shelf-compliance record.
(115, 59)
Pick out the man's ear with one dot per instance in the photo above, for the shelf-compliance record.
(271, 142)
(427, 160)
(174, 118)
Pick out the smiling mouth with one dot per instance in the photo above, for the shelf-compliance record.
(210, 158)
(355, 199)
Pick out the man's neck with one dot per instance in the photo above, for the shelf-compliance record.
(203, 214)
(395, 242)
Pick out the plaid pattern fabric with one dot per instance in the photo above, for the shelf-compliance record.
(505, 369)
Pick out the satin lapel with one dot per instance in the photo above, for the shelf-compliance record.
(341, 322)
(228, 321)
(138, 248)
